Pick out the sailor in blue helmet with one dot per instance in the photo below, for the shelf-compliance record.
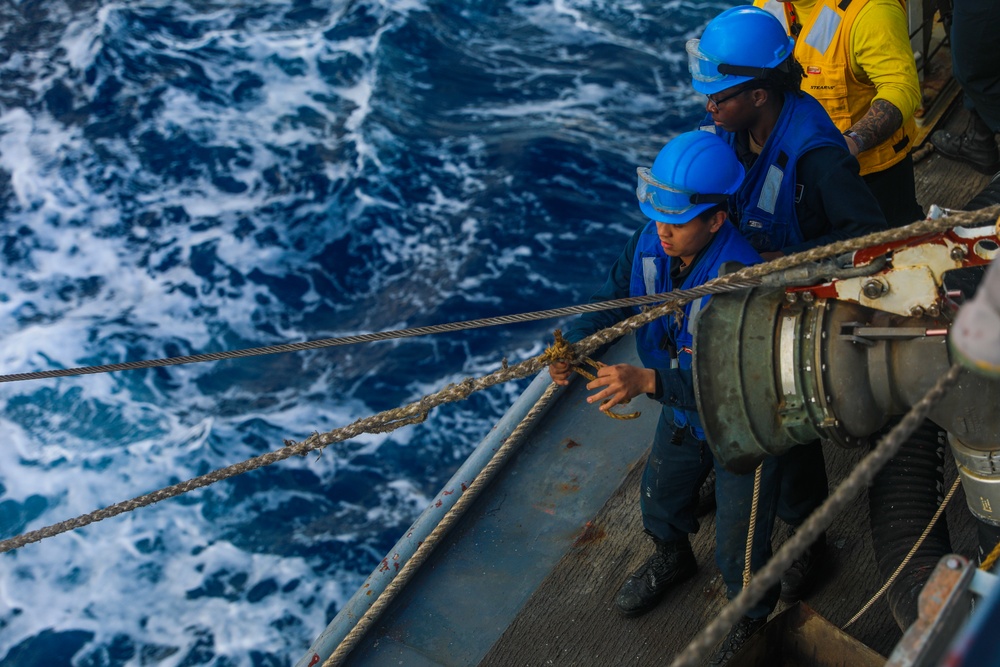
(688, 236)
(802, 190)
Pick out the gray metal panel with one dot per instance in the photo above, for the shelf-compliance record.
(470, 590)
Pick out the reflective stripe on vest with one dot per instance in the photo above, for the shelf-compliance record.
(764, 206)
(823, 30)
(769, 191)
(777, 10)
(649, 274)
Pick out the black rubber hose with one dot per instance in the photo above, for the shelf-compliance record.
(902, 500)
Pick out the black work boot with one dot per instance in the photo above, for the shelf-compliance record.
(975, 146)
(988, 196)
(671, 563)
(802, 574)
(738, 636)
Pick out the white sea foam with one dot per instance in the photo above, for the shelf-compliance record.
(336, 195)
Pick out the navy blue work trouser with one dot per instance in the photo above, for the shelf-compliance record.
(803, 484)
(676, 468)
(975, 54)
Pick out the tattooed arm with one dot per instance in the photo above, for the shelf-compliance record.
(882, 119)
(880, 54)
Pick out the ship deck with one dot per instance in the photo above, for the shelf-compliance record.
(529, 575)
(571, 618)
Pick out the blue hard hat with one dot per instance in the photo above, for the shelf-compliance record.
(738, 45)
(691, 174)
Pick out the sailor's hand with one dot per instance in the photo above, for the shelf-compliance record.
(621, 383)
(852, 146)
(560, 372)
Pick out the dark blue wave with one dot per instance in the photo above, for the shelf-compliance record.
(186, 177)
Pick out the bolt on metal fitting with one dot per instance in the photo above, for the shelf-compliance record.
(874, 288)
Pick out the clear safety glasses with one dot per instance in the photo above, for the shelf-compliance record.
(709, 70)
(668, 199)
(703, 68)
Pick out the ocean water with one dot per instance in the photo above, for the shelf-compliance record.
(180, 177)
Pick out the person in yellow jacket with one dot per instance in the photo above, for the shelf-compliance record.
(859, 65)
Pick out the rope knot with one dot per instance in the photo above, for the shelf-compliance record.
(561, 350)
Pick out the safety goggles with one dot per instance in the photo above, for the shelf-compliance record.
(706, 69)
(668, 199)
(703, 68)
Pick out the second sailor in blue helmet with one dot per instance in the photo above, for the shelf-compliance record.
(725, 56)
(802, 190)
(687, 237)
(803, 187)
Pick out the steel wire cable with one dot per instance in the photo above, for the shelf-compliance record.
(750, 275)
(382, 422)
(417, 411)
(359, 338)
